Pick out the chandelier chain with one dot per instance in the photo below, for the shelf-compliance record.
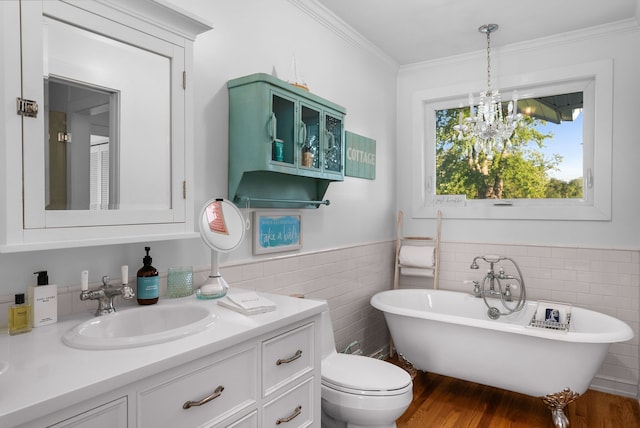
(489, 61)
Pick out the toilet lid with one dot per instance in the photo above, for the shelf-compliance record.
(358, 374)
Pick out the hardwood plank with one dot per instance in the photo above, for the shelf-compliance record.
(444, 402)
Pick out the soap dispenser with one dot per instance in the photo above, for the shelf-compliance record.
(147, 282)
(43, 299)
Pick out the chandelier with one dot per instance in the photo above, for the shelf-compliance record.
(488, 127)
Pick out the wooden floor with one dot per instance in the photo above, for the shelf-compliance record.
(444, 402)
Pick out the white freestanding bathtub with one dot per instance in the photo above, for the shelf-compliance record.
(449, 333)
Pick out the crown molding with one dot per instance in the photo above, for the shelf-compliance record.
(606, 30)
(340, 28)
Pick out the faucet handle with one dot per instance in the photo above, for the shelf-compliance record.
(476, 287)
(105, 281)
(127, 292)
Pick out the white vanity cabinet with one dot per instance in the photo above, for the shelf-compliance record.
(271, 379)
(97, 101)
(270, 382)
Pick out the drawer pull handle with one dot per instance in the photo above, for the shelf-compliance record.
(295, 356)
(289, 418)
(205, 400)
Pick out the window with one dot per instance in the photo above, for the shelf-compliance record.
(446, 172)
(542, 159)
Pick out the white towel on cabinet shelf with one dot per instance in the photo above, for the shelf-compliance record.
(417, 256)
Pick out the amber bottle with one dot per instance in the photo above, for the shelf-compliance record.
(147, 282)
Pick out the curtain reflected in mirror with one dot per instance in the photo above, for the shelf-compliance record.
(82, 146)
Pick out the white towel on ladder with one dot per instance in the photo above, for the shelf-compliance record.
(417, 256)
(410, 271)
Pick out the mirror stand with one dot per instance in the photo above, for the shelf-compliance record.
(215, 286)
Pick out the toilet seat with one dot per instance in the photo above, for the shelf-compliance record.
(356, 374)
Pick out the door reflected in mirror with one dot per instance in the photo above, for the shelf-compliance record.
(82, 123)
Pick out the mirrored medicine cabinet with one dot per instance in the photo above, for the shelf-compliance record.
(99, 148)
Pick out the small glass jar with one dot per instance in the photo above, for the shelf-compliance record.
(179, 281)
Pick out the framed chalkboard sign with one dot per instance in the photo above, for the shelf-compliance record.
(276, 231)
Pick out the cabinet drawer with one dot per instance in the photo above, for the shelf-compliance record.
(287, 357)
(292, 409)
(109, 415)
(230, 383)
(249, 421)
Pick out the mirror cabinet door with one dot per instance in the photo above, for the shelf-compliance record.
(104, 149)
(107, 158)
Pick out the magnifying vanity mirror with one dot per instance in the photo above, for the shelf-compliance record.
(101, 148)
(222, 228)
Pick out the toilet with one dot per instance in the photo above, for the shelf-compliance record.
(359, 391)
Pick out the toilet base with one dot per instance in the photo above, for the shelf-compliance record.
(341, 410)
(327, 421)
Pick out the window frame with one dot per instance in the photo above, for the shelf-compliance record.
(594, 79)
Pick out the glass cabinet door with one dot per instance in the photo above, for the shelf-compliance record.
(333, 146)
(281, 129)
(309, 137)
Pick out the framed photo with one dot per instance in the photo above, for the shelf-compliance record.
(276, 231)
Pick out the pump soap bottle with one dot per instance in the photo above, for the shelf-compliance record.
(19, 316)
(43, 299)
(147, 282)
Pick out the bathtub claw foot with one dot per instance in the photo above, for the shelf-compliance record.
(407, 366)
(557, 402)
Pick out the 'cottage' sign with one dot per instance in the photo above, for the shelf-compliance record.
(360, 156)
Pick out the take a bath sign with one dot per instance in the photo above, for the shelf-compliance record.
(276, 231)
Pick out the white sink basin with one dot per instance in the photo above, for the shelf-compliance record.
(139, 327)
(3, 366)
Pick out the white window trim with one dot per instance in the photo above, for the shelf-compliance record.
(594, 79)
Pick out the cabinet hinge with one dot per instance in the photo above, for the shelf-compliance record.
(184, 190)
(184, 79)
(27, 108)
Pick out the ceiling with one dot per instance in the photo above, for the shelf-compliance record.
(411, 31)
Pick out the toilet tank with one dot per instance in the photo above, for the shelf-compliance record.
(328, 340)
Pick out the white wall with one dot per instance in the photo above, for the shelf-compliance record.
(251, 36)
(619, 43)
(265, 40)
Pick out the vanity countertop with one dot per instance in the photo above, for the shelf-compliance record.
(45, 375)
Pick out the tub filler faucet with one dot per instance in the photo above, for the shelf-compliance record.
(492, 285)
(105, 295)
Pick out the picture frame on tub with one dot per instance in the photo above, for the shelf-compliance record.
(276, 231)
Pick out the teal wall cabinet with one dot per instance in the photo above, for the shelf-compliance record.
(286, 145)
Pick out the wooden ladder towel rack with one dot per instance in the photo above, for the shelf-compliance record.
(415, 240)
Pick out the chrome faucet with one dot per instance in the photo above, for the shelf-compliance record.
(491, 277)
(500, 285)
(105, 295)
